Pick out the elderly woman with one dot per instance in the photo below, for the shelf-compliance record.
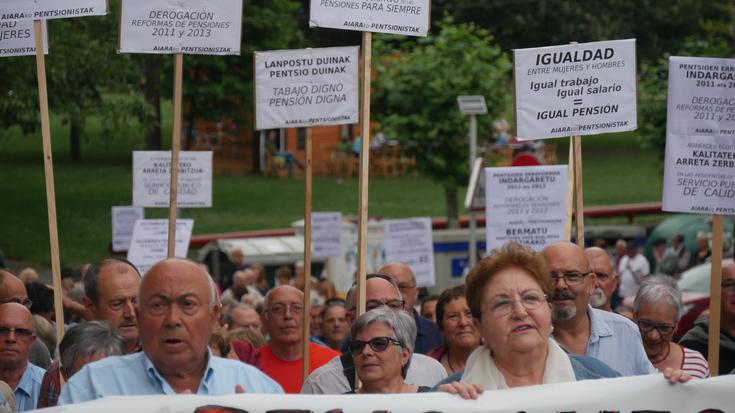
(460, 332)
(382, 349)
(657, 309)
(507, 293)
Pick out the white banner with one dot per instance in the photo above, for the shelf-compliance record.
(18, 38)
(699, 170)
(50, 9)
(407, 17)
(123, 222)
(326, 234)
(208, 27)
(576, 89)
(639, 394)
(152, 179)
(306, 87)
(525, 204)
(410, 241)
(149, 243)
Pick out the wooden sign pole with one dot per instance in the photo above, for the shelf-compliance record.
(713, 343)
(48, 165)
(570, 192)
(366, 60)
(175, 147)
(307, 255)
(578, 193)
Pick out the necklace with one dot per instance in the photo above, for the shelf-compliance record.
(449, 361)
(668, 350)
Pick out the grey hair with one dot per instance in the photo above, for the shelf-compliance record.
(402, 324)
(659, 290)
(268, 294)
(87, 339)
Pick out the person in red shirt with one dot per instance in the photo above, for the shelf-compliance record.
(282, 358)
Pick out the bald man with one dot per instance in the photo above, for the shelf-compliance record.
(428, 336)
(12, 289)
(16, 337)
(583, 330)
(177, 310)
(607, 279)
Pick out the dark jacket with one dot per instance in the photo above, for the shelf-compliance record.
(697, 338)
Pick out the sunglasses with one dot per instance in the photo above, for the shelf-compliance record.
(19, 332)
(378, 344)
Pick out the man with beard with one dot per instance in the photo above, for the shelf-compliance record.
(607, 280)
(583, 330)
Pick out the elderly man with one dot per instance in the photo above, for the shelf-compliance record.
(607, 280)
(111, 289)
(428, 337)
(12, 289)
(16, 337)
(697, 338)
(242, 290)
(334, 325)
(243, 316)
(177, 310)
(583, 330)
(338, 376)
(282, 358)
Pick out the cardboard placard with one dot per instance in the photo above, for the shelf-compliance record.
(50, 9)
(306, 87)
(326, 236)
(525, 204)
(205, 27)
(406, 17)
(575, 89)
(150, 240)
(699, 170)
(410, 241)
(123, 222)
(152, 179)
(17, 38)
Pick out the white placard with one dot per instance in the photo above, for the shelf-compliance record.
(410, 241)
(326, 234)
(407, 17)
(576, 89)
(50, 9)
(123, 221)
(209, 27)
(17, 38)
(306, 87)
(149, 243)
(699, 171)
(152, 179)
(525, 204)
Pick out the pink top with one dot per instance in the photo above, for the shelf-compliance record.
(693, 363)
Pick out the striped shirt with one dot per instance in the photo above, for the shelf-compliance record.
(693, 363)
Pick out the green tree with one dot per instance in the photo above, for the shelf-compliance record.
(415, 91)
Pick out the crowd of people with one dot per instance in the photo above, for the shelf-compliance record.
(521, 318)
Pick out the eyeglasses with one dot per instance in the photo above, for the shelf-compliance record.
(502, 306)
(19, 332)
(394, 305)
(570, 277)
(27, 303)
(662, 328)
(280, 309)
(378, 344)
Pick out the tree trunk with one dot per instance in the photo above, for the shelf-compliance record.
(450, 195)
(152, 91)
(75, 144)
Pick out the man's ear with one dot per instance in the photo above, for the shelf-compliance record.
(90, 307)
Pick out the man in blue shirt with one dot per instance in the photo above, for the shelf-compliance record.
(16, 337)
(176, 311)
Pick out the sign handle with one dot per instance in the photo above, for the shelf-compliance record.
(579, 206)
(175, 147)
(366, 59)
(715, 298)
(48, 165)
(570, 192)
(307, 255)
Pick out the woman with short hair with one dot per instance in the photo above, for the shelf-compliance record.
(461, 336)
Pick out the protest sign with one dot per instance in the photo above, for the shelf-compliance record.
(406, 17)
(410, 241)
(189, 26)
(638, 394)
(306, 87)
(699, 170)
(17, 38)
(150, 238)
(525, 204)
(50, 9)
(326, 236)
(123, 222)
(576, 89)
(152, 181)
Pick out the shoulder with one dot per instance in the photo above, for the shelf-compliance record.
(327, 379)
(586, 368)
(324, 354)
(36, 373)
(426, 367)
(255, 380)
(618, 323)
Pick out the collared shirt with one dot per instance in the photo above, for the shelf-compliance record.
(135, 374)
(28, 388)
(616, 341)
